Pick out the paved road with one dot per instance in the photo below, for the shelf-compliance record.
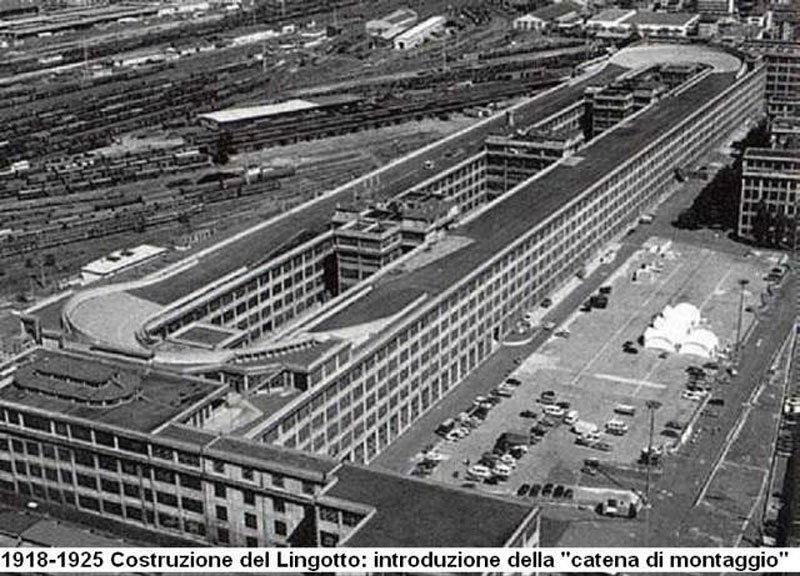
(674, 518)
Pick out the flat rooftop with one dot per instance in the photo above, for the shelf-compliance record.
(537, 199)
(441, 516)
(648, 18)
(248, 113)
(314, 219)
(66, 383)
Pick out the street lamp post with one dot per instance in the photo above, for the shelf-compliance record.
(742, 283)
(652, 406)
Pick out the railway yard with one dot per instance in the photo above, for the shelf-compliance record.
(79, 86)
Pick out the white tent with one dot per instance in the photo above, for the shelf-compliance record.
(701, 342)
(677, 329)
(656, 339)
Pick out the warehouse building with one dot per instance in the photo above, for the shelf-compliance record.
(393, 24)
(418, 34)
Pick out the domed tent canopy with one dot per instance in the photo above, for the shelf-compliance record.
(683, 314)
(701, 342)
(656, 339)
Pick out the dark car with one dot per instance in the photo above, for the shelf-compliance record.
(513, 382)
(586, 306)
(605, 290)
(523, 490)
(569, 494)
(546, 303)
(565, 404)
(528, 414)
(558, 492)
(534, 491)
(630, 350)
(548, 489)
(716, 402)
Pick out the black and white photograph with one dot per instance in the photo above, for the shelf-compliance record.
(384, 275)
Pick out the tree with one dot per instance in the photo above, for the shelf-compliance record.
(761, 224)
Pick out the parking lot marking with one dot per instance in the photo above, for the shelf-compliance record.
(713, 292)
(632, 381)
(621, 329)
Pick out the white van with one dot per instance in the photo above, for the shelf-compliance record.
(581, 428)
(616, 427)
(625, 409)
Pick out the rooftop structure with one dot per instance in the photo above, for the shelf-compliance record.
(400, 503)
(118, 261)
(419, 33)
(393, 24)
(107, 391)
(618, 22)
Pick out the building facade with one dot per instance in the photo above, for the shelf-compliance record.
(771, 185)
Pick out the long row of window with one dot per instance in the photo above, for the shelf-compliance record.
(397, 390)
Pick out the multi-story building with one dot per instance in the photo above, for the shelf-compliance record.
(771, 184)
(126, 441)
(342, 373)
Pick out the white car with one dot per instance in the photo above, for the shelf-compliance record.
(548, 325)
(554, 411)
(479, 471)
(571, 417)
(502, 470)
(694, 395)
(504, 392)
(508, 460)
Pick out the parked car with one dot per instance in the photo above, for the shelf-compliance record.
(523, 490)
(555, 411)
(565, 404)
(546, 303)
(528, 414)
(563, 333)
(502, 392)
(603, 446)
(479, 471)
(558, 492)
(716, 402)
(548, 489)
(571, 417)
(513, 382)
(616, 427)
(534, 491)
(569, 494)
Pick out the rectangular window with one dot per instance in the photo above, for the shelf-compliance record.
(219, 490)
(250, 520)
(222, 513)
(192, 504)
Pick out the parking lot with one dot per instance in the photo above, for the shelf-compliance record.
(590, 369)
